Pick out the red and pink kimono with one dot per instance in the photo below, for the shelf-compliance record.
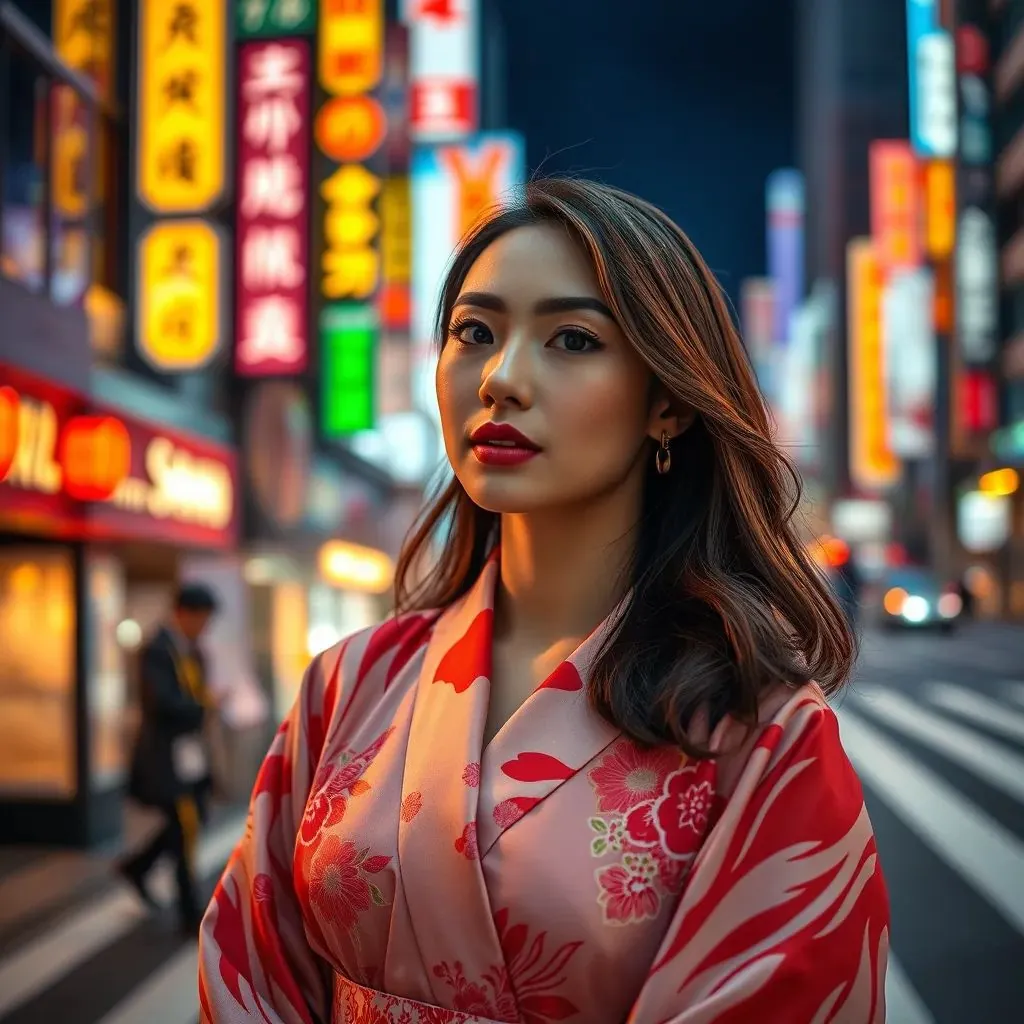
(396, 871)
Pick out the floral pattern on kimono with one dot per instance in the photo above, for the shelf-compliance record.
(395, 869)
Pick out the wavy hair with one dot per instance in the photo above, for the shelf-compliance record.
(725, 600)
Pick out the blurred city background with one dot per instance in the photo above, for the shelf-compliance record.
(223, 226)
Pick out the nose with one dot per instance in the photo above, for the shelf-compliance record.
(508, 376)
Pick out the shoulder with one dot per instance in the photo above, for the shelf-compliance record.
(793, 759)
(157, 646)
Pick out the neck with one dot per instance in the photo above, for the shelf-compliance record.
(564, 571)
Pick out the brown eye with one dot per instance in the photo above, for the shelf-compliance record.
(576, 341)
(472, 333)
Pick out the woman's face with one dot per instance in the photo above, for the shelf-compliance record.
(544, 403)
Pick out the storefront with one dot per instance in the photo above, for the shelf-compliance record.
(100, 514)
(314, 539)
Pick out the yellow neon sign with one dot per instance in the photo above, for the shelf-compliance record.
(181, 126)
(940, 208)
(872, 463)
(351, 259)
(351, 46)
(179, 294)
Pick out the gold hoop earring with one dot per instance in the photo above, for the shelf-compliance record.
(663, 456)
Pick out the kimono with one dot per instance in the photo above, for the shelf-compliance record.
(395, 871)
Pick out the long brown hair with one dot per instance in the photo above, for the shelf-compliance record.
(725, 600)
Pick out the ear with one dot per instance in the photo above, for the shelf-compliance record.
(669, 417)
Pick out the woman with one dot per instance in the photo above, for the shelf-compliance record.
(583, 774)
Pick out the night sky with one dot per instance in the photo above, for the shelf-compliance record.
(689, 103)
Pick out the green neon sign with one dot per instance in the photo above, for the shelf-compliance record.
(348, 352)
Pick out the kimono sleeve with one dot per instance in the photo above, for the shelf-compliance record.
(785, 918)
(255, 959)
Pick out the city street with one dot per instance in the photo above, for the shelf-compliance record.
(934, 724)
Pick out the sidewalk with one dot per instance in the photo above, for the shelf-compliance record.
(76, 944)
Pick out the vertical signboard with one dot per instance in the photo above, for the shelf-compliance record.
(350, 130)
(895, 203)
(977, 287)
(444, 69)
(911, 364)
(784, 199)
(451, 187)
(931, 63)
(180, 170)
(272, 230)
(977, 258)
(181, 121)
(940, 209)
(179, 318)
(274, 19)
(873, 466)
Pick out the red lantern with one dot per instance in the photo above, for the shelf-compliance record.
(9, 406)
(95, 454)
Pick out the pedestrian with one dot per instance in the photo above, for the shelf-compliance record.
(170, 766)
(585, 771)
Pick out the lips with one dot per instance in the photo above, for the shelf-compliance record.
(500, 444)
(502, 434)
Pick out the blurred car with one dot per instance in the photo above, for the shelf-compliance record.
(915, 598)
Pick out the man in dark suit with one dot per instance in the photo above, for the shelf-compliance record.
(170, 768)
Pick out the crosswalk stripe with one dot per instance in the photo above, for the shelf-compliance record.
(902, 1003)
(1014, 691)
(977, 846)
(971, 750)
(170, 995)
(978, 708)
(40, 963)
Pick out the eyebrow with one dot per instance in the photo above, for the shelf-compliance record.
(566, 304)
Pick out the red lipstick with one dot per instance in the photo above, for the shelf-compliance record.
(500, 444)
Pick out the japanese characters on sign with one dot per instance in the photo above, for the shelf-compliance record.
(351, 46)
(350, 129)
(275, 18)
(444, 70)
(895, 181)
(272, 271)
(179, 304)
(181, 124)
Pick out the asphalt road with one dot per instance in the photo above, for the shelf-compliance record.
(935, 727)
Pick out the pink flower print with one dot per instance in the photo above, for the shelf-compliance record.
(627, 775)
(471, 774)
(508, 812)
(318, 810)
(682, 812)
(337, 888)
(628, 892)
(466, 843)
(672, 872)
(640, 828)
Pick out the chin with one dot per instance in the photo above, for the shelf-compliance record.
(507, 492)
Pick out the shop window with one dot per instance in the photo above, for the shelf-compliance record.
(37, 672)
